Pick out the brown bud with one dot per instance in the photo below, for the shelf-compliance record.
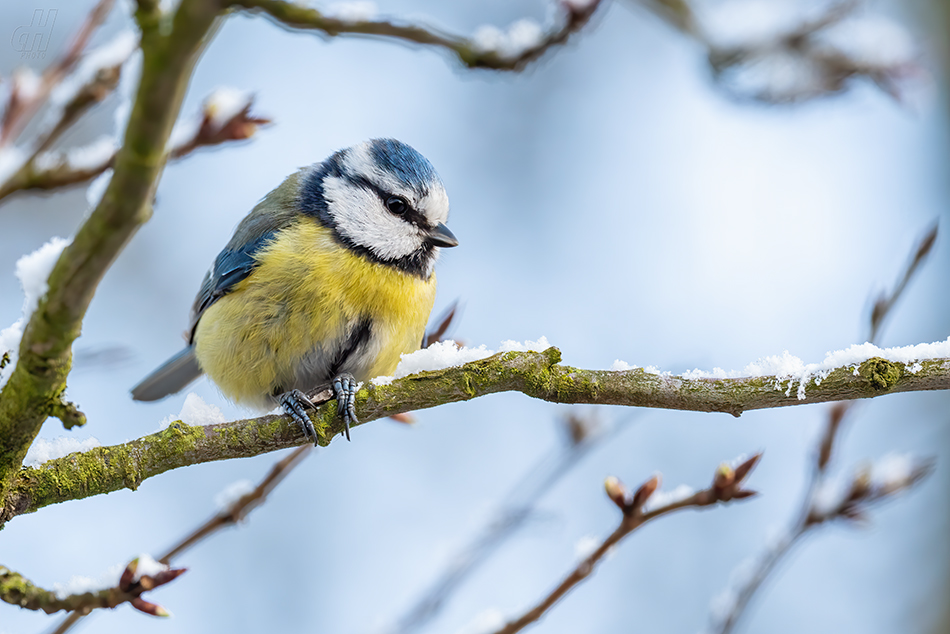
(725, 477)
(744, 493)
(405, 418)
(646, 490)
(128, 575)
(616, 491)
(861, 484)
(167, 576)
(154, 609)
(746, 467)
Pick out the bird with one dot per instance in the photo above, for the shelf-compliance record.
(324, 284)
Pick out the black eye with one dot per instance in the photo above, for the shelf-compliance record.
(397, 205)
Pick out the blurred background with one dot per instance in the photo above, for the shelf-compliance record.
(615, 198)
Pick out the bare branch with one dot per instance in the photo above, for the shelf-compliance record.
(803, 62)
(583, 435)
(240, 508)
(726, 486)
(21, 108)
(229, 516)
(575, 15)
(46, 171)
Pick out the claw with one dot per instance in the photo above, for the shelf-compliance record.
(296, 403)
(344, 386)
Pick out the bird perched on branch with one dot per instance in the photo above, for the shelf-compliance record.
(325, 283)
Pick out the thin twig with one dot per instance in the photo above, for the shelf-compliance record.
(20, 111)
(575, 15)
(583, 436)
(734, 602)
(726, 486)
(229, 516)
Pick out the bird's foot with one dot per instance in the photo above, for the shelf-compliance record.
(344, 386)
(296, 404)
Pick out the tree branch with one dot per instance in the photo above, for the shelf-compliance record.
(234, 513)
(295, 15)
(535, 374)
(16, 589)
(46, 348)
(726, 486)
(55, 170)
(850, 504)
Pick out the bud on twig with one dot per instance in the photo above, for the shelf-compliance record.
(616, 491)
(154, 609)
(643, 494)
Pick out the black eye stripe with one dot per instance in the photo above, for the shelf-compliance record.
(411, 214)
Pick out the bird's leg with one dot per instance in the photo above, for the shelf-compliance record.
(296, 404)
(344, 385)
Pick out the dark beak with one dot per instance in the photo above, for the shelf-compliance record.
(440, 236)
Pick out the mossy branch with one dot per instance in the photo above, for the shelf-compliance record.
(32, 392)
(536, 374)
(20, 591)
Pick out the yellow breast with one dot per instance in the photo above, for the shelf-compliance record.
(301, 302)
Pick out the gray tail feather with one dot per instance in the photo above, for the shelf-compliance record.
(172, 376)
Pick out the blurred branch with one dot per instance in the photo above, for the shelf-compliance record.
(819, 505)
(583, 434)
(19, 591)
(239, 509)
(818, 56)
(24, 104)
(45, 171)
(535, 374)
(726, 486)
(507, 55)
(46, 347)
(229, 516)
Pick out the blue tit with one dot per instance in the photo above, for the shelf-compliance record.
(325, 283)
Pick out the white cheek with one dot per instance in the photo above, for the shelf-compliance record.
(435, 206)
(359, 215)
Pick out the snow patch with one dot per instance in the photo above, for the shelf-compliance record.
(194, 411)
(447, 354)
(33, 272)
(43, 450)
(230, 494)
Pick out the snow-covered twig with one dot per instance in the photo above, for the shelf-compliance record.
(139, 576)
(24, 104)
(509, 50)
(780, 52)
(230, 514)
(726, 486)
(214, 126)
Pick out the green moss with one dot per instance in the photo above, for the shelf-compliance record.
(881, 373)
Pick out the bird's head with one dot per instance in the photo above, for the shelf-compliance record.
(382, 199)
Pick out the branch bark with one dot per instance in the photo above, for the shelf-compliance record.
(299, 16)
(536, 374)
(46, 348)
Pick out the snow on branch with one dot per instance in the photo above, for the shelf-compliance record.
(782, 51)
(511, 49)
(83, 594)
(536, 374)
